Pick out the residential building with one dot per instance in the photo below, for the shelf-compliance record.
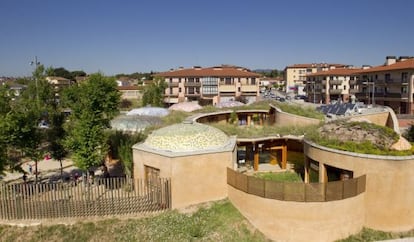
(336, 84)
(295, 75)
(130, 92)
(277, 82)
(390, 84)
(213, 84)
(58, 82)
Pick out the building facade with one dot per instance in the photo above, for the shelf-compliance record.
(390, 84)
(212, 84)
(334, 85)
(295, 75)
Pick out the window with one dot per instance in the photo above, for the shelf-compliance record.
(404, 90)
(191, 80)
(228, 81)
(238, 89)
(171, 90)
(190, 90)
(197, 80)
(179, 79)
(179, 89)
(387, 77)
(170, 80)
(404, 76)
(253, 81)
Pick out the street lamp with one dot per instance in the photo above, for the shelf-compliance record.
(36, 64)
(373, 90)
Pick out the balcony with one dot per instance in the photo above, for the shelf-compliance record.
(173, 84)
(353, 82)
(353, 91)
(227, 88)
(335, 91)
(192, 94)
(192, 84)
(395, 95)
(249, 88)
(396, 82)
(335, 82)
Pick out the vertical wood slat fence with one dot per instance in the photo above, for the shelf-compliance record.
(102, 197)
(296, 191)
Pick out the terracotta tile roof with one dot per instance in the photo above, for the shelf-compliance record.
(399, 65)
(315, 65)
(337, 72)
(219, 71)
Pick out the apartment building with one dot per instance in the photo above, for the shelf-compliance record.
(334, 85)
(213, 84)
(295, 75)
(390, 84)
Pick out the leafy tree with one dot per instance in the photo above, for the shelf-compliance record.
(154, 93)
(78, 73)
(121, 148)
(4, 136)
(62, 72)
(94, 103)
(56, 136)
(34, 105)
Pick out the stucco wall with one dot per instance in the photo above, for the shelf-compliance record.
(389, 196)
(288, 119)
(300, 221)
(386, 118)
(194, 178)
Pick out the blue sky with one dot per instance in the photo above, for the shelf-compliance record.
(139, 36)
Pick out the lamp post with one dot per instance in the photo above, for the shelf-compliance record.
(36, 63)
(373, 90)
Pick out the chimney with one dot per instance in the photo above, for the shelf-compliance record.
(403, 58)
(365, 67)
(390, 60)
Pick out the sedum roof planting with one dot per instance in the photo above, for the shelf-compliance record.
(187, 137)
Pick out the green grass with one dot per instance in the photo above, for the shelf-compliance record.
(374, 235)
(286, 176)
(261, 131)
(363, 147)
(219, 222)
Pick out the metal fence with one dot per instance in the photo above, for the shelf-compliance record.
(296, 191)
(102, 197)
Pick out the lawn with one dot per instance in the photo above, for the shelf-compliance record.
(218, 221)
(286, 176)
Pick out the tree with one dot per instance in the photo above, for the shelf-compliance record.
(94, 103)
(4, 136)
(154, 94)
(62, 72)
(34, 105)
(78, 73)
(56, 136)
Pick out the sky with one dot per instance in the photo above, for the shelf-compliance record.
(127, 36)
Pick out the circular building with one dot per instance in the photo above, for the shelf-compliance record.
(195, 155)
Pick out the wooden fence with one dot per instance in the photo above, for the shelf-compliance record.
(296, 191)
(102, 197)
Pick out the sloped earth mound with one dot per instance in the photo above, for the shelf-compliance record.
(360, 132)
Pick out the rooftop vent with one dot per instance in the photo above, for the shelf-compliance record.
(389, 60)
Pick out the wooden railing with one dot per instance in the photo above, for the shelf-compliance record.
(296, 191)
(111, 196)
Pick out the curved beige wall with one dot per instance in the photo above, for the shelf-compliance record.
(282, 118)
(389, 195)
(300, 221)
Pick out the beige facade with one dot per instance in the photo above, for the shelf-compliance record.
(333, 85)
(390, 84)
(217, 84)
(295, 75)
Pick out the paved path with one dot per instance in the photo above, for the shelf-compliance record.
(46, 168)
